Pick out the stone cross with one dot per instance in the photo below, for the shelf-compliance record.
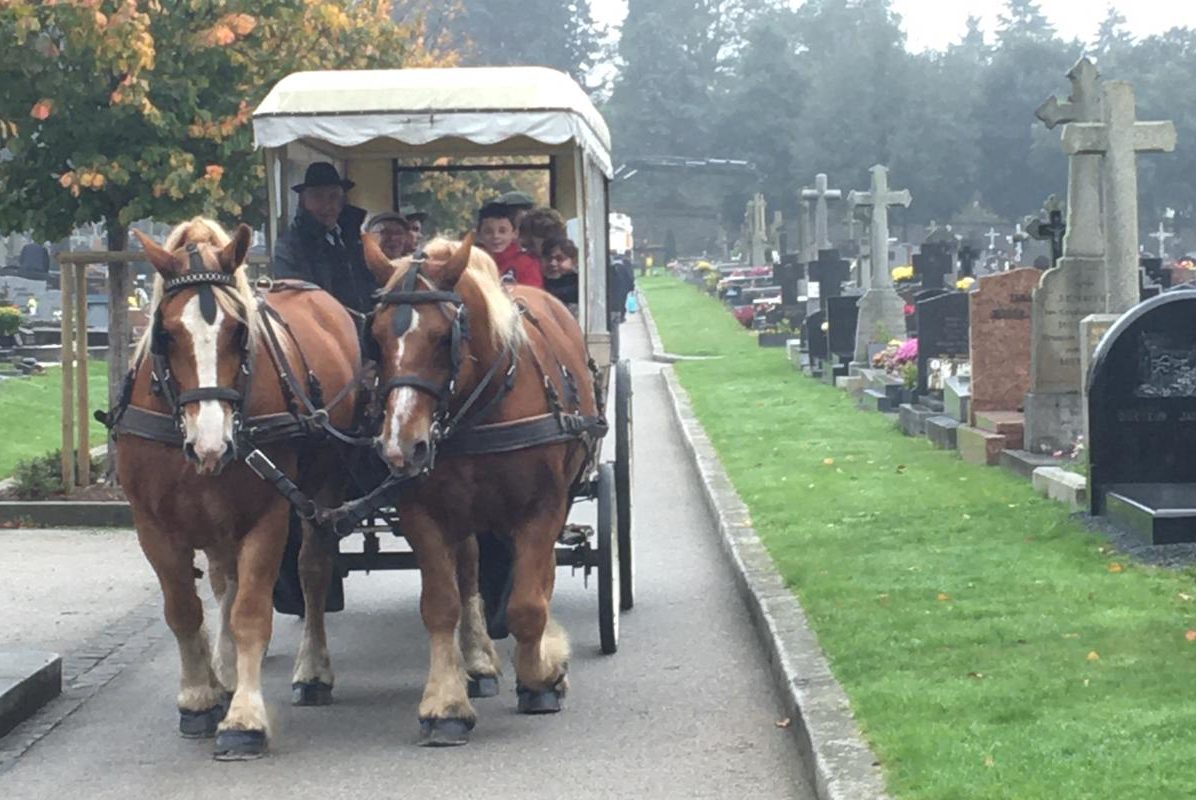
(807, 250)
(967, 260)
(1084, 237)
(1161, 236)
(1119, 137)
(1018, 238)
(820, 194)
(859, 221)
(880, 197)
(1052, 229)
(757, 229)
(992, 237)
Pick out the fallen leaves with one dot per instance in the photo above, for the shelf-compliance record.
(42, 109)
(943, 597)
(1116, 567)
(783, 723)
(1190, 636)
(989, 761)
(1093, 656)
(828, 462)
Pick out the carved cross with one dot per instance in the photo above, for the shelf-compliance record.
(1119, 137)
(879, 197)
(992, 237)
(1161, 236)
(821, 194)
(1052, 229)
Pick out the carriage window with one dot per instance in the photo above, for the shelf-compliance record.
(451, 190)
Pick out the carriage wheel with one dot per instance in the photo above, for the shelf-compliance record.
(623, 478)
(608, 561)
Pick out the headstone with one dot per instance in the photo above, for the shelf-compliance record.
(942, 334)
(968, 255)
(807, 248)
(842, 314)
(992, 237)
(1161, 236)
(830, 273)
(788, 275)
(1000, 314)
(1142, 420)
(882, 311)
(1156, 272)
(821, 195)
(1150, 270)
(757, 230)
(933, 264)
(817, 338)
(34, 259)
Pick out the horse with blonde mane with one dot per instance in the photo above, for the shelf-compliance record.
(222, 372)
(490, 400)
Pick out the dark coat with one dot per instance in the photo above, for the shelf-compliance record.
(304, 252)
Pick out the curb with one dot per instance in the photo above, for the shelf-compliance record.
(66, 514)
(28, 680)
(840, 765)
(658, 353)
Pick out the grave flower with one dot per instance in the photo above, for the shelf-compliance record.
(903, 273)
(965, 283)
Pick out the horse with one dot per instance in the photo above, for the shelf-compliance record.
(221, 372)
(490, 408)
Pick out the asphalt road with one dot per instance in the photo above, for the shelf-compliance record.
(685, 709)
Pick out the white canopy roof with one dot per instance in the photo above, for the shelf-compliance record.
(416, 107)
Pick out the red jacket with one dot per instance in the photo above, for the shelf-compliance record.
(522, 266)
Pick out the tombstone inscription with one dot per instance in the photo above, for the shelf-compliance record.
(1000, 314)
(943, 334)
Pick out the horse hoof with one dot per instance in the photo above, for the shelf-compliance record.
(449, 732)
(314, 693)
(539, 701)
(200, 724)
(234, 745)
(483, 686)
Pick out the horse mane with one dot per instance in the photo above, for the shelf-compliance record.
(506, 323)
(236, 301)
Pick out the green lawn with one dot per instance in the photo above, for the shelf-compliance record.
(992, 647)
(31, 414)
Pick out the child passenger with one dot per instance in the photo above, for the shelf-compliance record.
(498, 235)
(560, 271)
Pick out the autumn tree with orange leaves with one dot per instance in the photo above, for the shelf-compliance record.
(119, 110)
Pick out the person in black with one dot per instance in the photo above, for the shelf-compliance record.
(323, 243)
(322, 246)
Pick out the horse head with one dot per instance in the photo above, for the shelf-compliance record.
(200, 339)
(421, 329)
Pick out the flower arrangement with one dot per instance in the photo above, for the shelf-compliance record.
(903, 273)
(10, 320)
(965, 283)
(896, 356)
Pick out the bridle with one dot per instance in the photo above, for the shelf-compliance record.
(404, 298)
(162, 378)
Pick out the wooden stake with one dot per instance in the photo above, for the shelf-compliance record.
(83, 449)
(68, 377)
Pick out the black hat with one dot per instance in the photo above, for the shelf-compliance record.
(410, 213)
(322, 173)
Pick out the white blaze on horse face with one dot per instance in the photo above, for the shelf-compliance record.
(210, 428)
(405, 397)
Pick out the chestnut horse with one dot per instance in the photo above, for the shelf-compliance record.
(207, 386)
(464, 364)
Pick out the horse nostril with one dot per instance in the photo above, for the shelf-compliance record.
(419, 453)
(189, 452)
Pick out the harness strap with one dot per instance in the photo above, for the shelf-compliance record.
(209, 393)
(506, 437)
(417, 383)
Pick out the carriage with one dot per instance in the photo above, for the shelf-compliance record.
(390, 132)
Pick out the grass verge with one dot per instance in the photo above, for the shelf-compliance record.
(991, 645)
(31, 414)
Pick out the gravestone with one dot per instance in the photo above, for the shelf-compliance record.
(817, 338)
(933, 264)
(842, 314)
(882, 311)
(1161, 236)
(830, 273)
(968, 254)
(821, 195)
(34, 260)
(1000, 316)
(1051, 229)
(911, 320)
(942, 333)
(1142, 420)
(1149, 274)
(1156, 272)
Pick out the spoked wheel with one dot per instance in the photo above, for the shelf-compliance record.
(623, 476)
(608, 561)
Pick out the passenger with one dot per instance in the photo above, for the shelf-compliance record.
(416, 222)
(394, 234)
(323, 243)
(497, 234)
(560, 271)
(521, 202)
(538, 226)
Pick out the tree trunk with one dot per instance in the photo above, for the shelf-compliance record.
(119, 347)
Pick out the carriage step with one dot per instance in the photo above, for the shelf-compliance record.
(575, 535)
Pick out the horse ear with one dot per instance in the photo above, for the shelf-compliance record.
(163, 261)
(379, 265)
(233, 254)
(454, 268)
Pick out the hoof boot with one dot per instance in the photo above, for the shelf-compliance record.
(539, 701)
(234, 745)
(483, 686)
(449, 732)
(315, 693)
(200, 724)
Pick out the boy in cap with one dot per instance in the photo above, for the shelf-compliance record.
(394, 234)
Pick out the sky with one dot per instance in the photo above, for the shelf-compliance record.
(933, 24)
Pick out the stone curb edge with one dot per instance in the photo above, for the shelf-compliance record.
(840, 764)
(658, 353)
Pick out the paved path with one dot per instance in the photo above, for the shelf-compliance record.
(686, 708)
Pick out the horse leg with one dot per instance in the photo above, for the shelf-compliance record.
(311, 682)
(542, 647)
(245, 730)
(445, 714)
(200, 696)
(222, 574)
(482, 663)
